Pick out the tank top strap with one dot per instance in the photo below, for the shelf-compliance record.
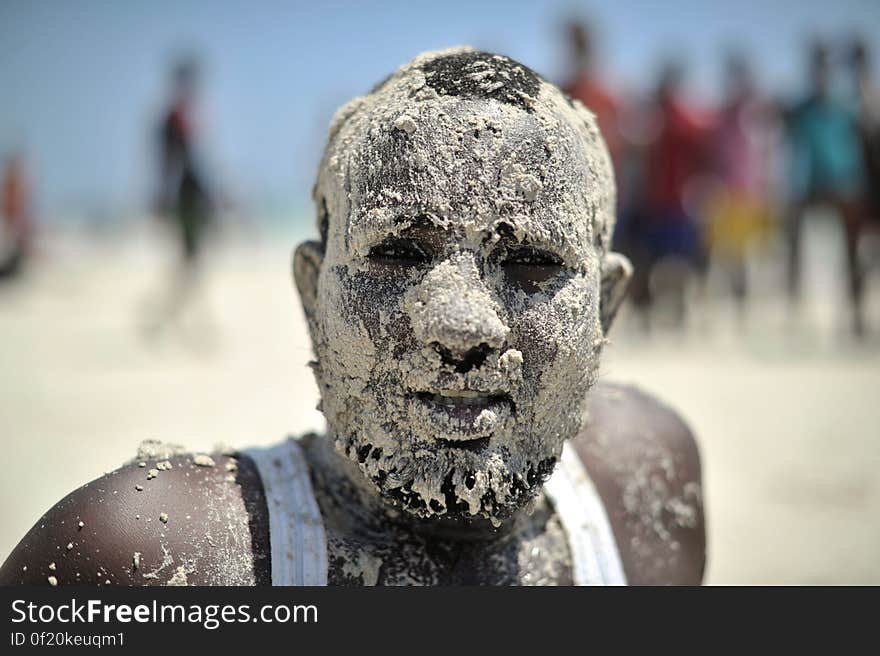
(594, 554)
(296, 529)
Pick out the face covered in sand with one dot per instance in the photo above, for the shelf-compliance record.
(456, 303)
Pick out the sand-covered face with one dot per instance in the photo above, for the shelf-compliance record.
(456, 323)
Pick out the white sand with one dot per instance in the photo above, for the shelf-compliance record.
(787, 414)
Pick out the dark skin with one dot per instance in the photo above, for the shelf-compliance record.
(217, 523)
(119, 519)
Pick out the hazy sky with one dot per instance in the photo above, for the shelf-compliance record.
(82, 83)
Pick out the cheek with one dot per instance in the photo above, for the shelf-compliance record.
(373, 301)
(534, 335)
(558, 328)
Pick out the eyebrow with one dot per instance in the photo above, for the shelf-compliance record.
(560, 242)
(367, 231)
(371, 231)
(419, 222)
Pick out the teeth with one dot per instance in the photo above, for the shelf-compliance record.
(464, 394)
(458, 399)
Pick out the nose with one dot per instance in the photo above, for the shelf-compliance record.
(453, 310)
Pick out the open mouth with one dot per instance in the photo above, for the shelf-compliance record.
(463, 398)
(475, 445)
(463, 418)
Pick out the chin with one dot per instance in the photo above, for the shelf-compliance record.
(485, 478)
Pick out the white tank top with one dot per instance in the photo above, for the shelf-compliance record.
(296, 529)
(299, 545)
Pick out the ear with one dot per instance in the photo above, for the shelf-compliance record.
(307, 259)
(616, 274)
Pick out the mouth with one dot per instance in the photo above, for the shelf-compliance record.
(463, 418)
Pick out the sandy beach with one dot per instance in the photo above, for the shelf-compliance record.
(785, 409)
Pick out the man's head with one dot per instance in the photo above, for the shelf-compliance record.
(819, 67)
(185, 78)
(859, 57)
(458, 299)
(738, 76)
(580, 40)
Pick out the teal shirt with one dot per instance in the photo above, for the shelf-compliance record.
(826, 157)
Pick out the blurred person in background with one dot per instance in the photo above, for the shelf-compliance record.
(183, 194)
(739, 202)
(184, 199)
(584, 84)
(826, 171)
(15, 230)
(669, 233)
(867, 108)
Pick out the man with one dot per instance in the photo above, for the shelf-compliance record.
(826, 171)
(183, 196)
(738, 208)
(185, 201)
(15, 218)
(585, 85)
(457, 302)
(867, 110)
(670, 232)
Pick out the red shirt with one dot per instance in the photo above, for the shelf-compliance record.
(677, 154)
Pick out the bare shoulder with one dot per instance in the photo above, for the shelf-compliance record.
(164, 519)
(645, 463)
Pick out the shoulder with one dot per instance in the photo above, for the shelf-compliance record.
(166, 518)
(645, 463)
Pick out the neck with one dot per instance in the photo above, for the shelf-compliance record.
(358, 497)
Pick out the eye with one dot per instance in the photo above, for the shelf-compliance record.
(402, 252)
(528, 256)
(529, 266)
